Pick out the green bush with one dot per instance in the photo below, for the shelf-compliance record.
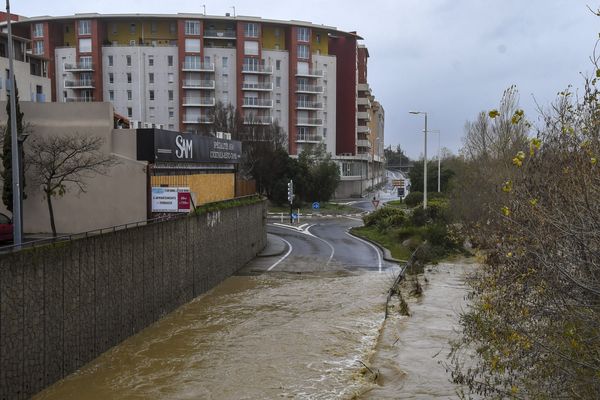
(385, 218)
(413, 198)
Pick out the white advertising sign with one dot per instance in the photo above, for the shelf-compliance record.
(171, 199)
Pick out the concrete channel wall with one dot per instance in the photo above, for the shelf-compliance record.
(62, 305)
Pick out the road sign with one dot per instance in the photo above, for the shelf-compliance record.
(294, 216)
(398, 182)
(316, 205)
(375, 203)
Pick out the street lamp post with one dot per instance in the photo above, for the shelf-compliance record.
(438, 157)
(424, 159)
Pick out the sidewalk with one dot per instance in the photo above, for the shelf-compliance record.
(275, 246)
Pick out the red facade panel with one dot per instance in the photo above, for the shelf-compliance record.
(344, 48)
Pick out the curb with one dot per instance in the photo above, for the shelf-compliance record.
(272, 253)
(387, 256)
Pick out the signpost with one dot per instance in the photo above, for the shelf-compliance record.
(291, 199)
(316, 205)
(171, 199)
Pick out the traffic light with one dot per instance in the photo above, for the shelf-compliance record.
(290, 191)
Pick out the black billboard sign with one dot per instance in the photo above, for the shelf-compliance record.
(157, 145)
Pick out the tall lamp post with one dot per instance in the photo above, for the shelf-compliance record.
(424, 159)
(16, 175)
(438, 157)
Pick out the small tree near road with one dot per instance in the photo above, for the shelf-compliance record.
(62, 161)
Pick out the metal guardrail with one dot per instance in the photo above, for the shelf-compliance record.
(70, 237)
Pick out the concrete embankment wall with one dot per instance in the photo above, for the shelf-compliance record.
(64, 304)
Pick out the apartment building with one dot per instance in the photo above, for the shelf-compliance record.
(170, 71)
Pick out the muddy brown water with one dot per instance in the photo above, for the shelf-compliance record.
(282, 336)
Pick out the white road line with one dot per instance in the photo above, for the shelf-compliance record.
(323, 240)
(370, 244)
(284, 257)
(294, 228)
(355, 219)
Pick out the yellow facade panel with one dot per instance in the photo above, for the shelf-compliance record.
(205, 188)
(159, 31)
(320, 42)
(69, 35)
(273, 37)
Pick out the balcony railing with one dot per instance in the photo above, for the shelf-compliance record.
(363, 115)
(255, 102)
(257, 69)
(79, 67)
(197, 119)
(198, 84)
(363, 143)
(257, 86)
(85, 99)
(258, 120)
(198, 101)
(309, 138)
(363, 129)
(201, 67)
(312, 73)
(309, 105)
(219, 34)
(80, 84)
(309, 122)
(309, 89)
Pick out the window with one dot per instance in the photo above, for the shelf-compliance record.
(192, 45)
(302, 51)
(224, 60)
(38, 47)
(132, 28)
(250, 64)
(171, 126)
(192, 62)
(171, 113)
(151, 95)
(170, 95)
(67, 29)
(110, 61)
(85, 45)
(129, 77)
(278, 81)
(303, 34)
(153, 27)
(318, 37)
(111, 95)
(150, 61)
(111, 77)
(151, 77)
(277, 65)
(192, 27)
(251, 30)
(170, 77)
(277, 32)
(38, 30)
(85, 62)
(172, 27)
(128, 60)
(114, 28)
(129, 112)
(129, 95)
(251, 48)
(170, 61)
(85, 27)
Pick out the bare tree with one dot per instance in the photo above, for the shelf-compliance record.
(62, 162)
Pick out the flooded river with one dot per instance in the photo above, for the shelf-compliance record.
(300, 336)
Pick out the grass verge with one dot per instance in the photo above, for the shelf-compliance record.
(387, 240)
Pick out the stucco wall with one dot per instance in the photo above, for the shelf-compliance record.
(63, 305)
(117, 198)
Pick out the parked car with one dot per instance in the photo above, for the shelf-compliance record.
(6, 228)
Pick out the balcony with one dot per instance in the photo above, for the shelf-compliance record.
(303, 138)
(77, 67)
(309, 89)
(363, 115)
(363, 101)
(84, 99)
(311, 73)
(363, 129)
(80, 84)
(198, 67)
(309, 122)
(257, 69)
(258, 120)
(219, 34)
(257, 86)
(363, 143)
(308, 105)
(198, 101)
(253, 102)
(197, 119)
(198, 84)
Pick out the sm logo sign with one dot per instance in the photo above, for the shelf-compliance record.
(184, 147)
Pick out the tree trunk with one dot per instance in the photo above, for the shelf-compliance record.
(51, 213)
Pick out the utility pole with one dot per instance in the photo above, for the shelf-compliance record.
(14, 140)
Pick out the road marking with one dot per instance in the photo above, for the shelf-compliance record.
(323, 240)
(287, 226)
(370, 244)
(284, 257)
(355, 219)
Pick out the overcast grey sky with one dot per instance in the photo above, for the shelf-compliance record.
(451, 58)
